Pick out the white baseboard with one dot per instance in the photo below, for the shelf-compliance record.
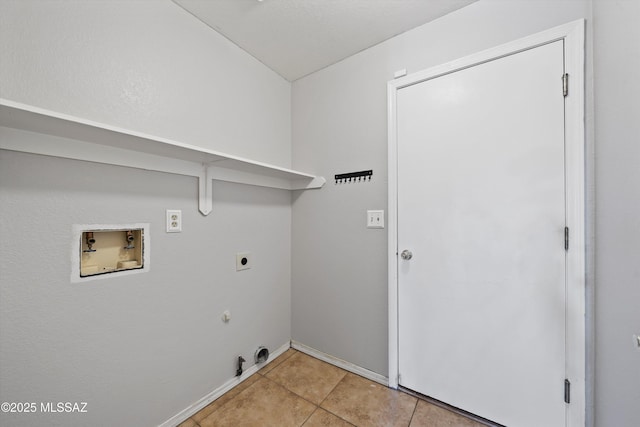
(228, 385)
(347, 366)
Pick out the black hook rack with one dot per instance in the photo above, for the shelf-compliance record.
(354, 176)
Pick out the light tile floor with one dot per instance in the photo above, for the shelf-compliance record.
(298, 390)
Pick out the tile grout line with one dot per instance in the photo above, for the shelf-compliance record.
(317, 406)
(263, 375)
(325, 398)
(331, 391)
(293, 353)
(258, 372)
(413, 413)
(291, 391)
(451, 409)
(231, 399)
(369, 380)
(310, 415)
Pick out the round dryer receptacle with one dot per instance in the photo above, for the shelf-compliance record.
(262, 354)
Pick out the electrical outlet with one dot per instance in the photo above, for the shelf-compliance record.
(174, 221)
(375, 219)
(243, 261)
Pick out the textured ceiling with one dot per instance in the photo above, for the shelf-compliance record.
(298, 37)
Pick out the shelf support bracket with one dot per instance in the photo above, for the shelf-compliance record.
(205, 191)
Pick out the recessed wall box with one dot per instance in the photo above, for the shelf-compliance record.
(100, 250)
(108, 251)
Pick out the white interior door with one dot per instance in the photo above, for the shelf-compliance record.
(481, 207)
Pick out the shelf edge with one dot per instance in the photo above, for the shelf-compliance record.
(15, 115)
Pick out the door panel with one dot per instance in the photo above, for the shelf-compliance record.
(481, 205)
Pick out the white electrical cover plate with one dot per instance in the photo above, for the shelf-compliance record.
(375, 219)
(174, 221)
(243, 261)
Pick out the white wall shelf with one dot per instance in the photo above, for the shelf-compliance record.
(80, 139)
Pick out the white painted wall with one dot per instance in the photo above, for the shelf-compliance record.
(617, 134)
(138, 349)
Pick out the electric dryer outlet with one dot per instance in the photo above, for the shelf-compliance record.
(243, 261)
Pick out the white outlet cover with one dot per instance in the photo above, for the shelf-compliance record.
(243, 261)
(174, 221)
(375, 219)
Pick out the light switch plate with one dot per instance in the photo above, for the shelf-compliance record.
(375, 219)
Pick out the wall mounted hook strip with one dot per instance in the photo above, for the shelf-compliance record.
(353, 176)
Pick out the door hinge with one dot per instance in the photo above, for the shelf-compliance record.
(565, 84)
(567, 391)
(566, 238)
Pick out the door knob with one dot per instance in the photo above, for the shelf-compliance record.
(406, 255)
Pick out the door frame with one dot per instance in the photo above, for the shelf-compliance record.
(573, 35)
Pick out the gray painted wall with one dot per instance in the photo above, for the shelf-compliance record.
(141, 348)
(339, 271)
(617, 133)
(138, 349)
(146, 66)
(339, 283)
